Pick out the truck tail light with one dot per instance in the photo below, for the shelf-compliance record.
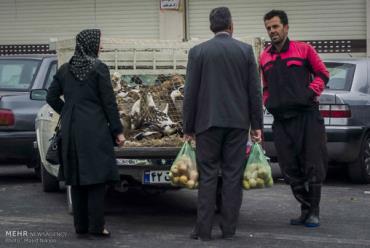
(335, 111)
(6, 117)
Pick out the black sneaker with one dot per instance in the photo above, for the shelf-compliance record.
(194, 234)
(226, 235)
(301, 219)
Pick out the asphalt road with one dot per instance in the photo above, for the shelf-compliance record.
(32, 218)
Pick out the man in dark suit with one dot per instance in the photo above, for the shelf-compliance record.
(222, 102)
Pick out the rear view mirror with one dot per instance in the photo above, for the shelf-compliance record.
(38, 94)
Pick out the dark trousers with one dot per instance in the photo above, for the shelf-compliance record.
(301, 147)
(220, 149)
(88, 208)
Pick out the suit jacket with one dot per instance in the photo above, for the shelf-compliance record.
(222, 86)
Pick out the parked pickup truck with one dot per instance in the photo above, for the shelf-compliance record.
(148, 79)
(18, 76)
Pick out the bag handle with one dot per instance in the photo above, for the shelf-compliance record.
(58, 126)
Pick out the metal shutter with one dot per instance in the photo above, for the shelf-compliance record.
(27, 22)
(308, 19)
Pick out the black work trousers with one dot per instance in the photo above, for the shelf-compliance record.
(88, 208)
(300, 143)
(220, 149)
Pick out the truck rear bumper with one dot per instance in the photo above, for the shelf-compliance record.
(133, 162)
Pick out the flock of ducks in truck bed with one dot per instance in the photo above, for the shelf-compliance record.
(150, 113)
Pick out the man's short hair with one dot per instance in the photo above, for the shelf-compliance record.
(220, 19)
(279, 13)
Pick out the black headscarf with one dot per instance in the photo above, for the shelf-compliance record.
(86, 53)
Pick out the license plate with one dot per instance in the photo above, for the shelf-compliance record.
(156, 177)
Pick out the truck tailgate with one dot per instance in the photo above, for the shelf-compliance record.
(146, 152)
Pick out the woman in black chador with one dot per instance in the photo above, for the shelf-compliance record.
(90, 124)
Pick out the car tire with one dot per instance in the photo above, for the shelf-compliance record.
(37, 171)
(36, 164)
(69, 199)
(359, 172)
(48, 181)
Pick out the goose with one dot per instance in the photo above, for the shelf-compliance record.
(177, 97)
(116, 82)
(152, 116)
(148, 134)
(177, 81)
(135, 116)
(165, 110)
(126, 122)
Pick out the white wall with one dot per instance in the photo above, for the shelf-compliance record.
(26, 21)
(309, 19)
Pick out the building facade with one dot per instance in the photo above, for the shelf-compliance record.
(338, 25)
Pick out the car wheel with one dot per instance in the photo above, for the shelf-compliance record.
(359, 172)
(49, 182)
(69, 200)
(37, 171)
(36, 164)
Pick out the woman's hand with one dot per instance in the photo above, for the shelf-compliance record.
(120, 139)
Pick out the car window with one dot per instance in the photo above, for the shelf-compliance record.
(17, 74)
(51, 72)
(341, 75)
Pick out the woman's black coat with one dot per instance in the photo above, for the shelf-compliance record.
(89, 122)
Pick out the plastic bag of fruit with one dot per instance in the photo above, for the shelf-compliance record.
(184, 171)
(257, 172)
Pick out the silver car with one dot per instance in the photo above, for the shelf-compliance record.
(345, 106)
(18, 76)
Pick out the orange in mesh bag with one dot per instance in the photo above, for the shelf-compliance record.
(184, 171)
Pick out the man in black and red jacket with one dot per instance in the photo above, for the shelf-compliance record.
(293, 77)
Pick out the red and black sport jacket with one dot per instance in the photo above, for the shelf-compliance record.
(292, 79)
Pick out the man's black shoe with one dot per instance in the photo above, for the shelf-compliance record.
(194, 235)
(225, 235)
(228, 236)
